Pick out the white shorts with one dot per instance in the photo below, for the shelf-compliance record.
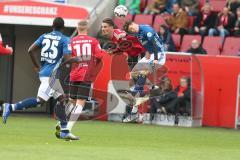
(49, 87)
(146, 64)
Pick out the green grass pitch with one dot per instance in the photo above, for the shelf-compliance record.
(32, 138)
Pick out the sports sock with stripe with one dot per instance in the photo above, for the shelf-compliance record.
(74, 116)
(26, 103)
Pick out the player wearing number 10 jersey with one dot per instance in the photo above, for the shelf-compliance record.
(87, 51)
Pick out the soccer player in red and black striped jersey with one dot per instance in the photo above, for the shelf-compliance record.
(88, 53)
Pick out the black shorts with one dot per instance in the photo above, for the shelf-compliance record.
(80, 90)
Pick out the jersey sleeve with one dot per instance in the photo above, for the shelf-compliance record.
(149, 34)
(118, 34)
(38, 42)
(67, 49)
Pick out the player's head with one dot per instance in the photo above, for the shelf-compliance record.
(107, 27)
(82, 27)
(131, 27)
(58, 24)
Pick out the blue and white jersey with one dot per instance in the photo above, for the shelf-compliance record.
(150, 39)
(53, 47)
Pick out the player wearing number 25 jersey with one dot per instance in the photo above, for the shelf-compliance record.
(53, 46)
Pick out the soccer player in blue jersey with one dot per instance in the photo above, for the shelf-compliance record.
(155, 56)
(54, 47)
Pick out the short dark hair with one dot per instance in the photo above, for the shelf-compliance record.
(109, 21)
(126, 25)
(58, 23)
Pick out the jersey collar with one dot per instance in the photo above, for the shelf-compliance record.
(58, 32)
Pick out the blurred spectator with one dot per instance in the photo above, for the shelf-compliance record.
(182, 103)
(161, 96)
(132, 5)
(5, 50)
(190, 6)
(205, 20)
(166, 36)
(169, 6)
(196, 48)
(237, 24)
(224, 25)
(156, 7)
(233, 5)
(178, 21)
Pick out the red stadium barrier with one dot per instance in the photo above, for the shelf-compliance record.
(220, 90)
(220, 84)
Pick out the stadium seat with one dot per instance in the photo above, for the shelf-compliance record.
(217, 5)
(213, 45)
(231, 46)
(191, 21)
(143, 19)
(119, 23)
(159, 20)
(177, 41)
(186, 42)
(149, 2)
(201, 3)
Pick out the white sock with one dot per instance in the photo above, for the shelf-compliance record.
(74, 116)
(13, 107)
(134, 109)
(69, 108)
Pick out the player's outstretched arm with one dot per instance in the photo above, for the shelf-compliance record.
(32, 53)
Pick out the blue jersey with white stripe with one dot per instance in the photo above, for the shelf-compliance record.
(150, 39)
(53, 46)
